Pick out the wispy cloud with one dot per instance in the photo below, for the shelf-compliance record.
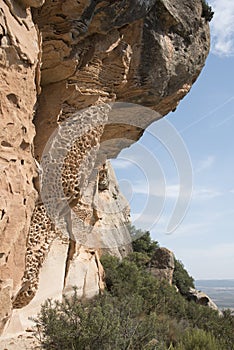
(121, 163)
(222, 27)
(173, 191)
(205, 163)
(224, 121)
(159, 190)
(206, 193)
(191, 230)
(220, 251)
(146, 220)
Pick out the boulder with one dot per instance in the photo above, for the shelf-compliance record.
(162, 264)
(201, 298)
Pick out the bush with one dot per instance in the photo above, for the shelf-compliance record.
(197, 339)
(207, 12)
(142, 242)
(136, 312)
(104, 323)
(74, 325)
(140, 259)
(181, 278)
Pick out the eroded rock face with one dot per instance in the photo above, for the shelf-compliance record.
(18, 66)
(54, 267)
(6, 303)
(88, 53)
(202, 299)
(145, 52)
(162, 264)
(104, 214)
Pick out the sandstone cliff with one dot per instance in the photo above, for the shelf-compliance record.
(57, 59)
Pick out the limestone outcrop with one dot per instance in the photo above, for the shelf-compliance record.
(162, 264)
(202, 299)
(68, 61)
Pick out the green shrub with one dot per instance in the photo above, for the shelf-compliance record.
(181, 278)
(142, 242)
(104, 323)
(207, 11)
(136, 312)
(197, 339)
(140, 259)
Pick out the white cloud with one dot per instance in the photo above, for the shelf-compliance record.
(190, 230)
(173, 191)
(205, 164)
(206, 193)
(119, 163)
(222, 27)
(159, 190)
(145, 220)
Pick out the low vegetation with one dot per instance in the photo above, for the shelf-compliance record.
(207, 11)
(181, 278)
(136, 312)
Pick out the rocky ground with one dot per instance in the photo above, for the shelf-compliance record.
(24, 341)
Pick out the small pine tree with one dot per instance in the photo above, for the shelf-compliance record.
(142, 242)
(181, 278)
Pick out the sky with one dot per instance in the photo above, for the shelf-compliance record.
(151, 174)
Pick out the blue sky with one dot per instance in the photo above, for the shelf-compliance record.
(204, 119)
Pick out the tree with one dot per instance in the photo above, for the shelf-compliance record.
(181, 278)
(142, 242)
(207, 11)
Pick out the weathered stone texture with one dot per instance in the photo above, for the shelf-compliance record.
(148, 53)
(202, 299)
(18, 64)
(78, 54)
(162, 264)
